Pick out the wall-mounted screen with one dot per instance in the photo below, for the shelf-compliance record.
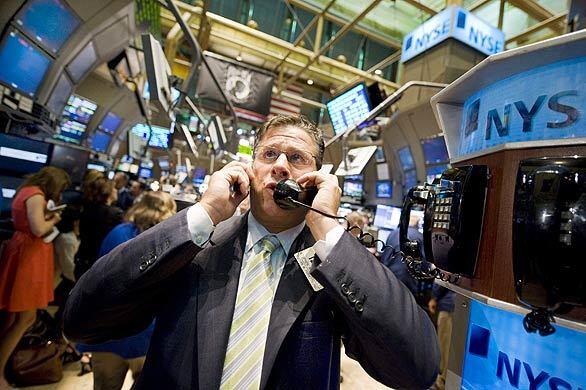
(99, 141)
(76, 115)
(384, 189)
(60, 94)
(433, 171)
(110, 123)
(22, 64)
(387, 217)
(406, 158)
(353, 186)
(72, 160)
(8, 187)
(434, 150)
(49, 22)
(349, 108)
(83, 62)
(145, 173)
(410, 179)
(96, 166)
(160, 139)
(22, 155)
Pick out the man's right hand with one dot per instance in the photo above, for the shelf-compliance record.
(219, 201)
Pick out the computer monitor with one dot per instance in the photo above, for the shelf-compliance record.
(410, 179)
(163, 163)
(76, 116)
(348, 108)
(387, 217)
(406, 158)
(8, 187)
(83, 62)
(22, 64)
(434, 150)
(99, 141)
(160, 138)
(144, 172)
(72, 160)
(384, 189)
(199, 175)
(353, 187)
(133, 169)
(96, 166)
(49, 22)
(20, 155)
(110, 123)
(124, 167)
(60, 95)
(379, 155)
(433, 171)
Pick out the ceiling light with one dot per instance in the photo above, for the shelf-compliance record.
(238, 58)
(310, 82)
(378, 72)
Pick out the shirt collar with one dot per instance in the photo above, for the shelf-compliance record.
(257, 231)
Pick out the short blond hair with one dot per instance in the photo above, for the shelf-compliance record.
(152, 208)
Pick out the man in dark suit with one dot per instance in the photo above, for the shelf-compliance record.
(233, 314)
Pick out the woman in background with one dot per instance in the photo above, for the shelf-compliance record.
(111, 361)
(26, 266)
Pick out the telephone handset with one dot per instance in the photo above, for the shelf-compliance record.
(289, 194)
(454, 212)
(549, 235)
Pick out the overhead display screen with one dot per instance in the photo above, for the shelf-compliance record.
(384, 189)
(434, 171)
(387, 217)
(161, 137)
(406, 158)
(22, 64)
(410, 179)
(349, 108)
(22, 155)
(76, 115)
(49, 22)
(99, 141)
(434, 150)
(110, 123)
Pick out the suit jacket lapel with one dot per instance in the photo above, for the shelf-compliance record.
(293, 294)
(217, 288)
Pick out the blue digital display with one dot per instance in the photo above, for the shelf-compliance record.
(384, 189)
(22, 155)
(353, 186)
(434, 150)
(49, 22)
(160, 139)
(410, 179)
(544, 103)
(99, 141)
(110, 123)
(406, 158)
(145, 173)
(22, 64)
(349, 108)
(500, 354)
(76, 115)
(433, 171)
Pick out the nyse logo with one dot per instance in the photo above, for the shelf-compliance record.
(427, 38)
(526, 111)
(509, 370)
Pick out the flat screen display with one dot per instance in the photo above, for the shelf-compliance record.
(49, 22)
(22, 155)
(60, 94)
(82, 64)
(387, 217)
(99, 141)
(76, 115)
(164, 163)
(349, 108)
(96, 166)
(145, 173)
(22, 64)
(353, 186)
(410, 179)
(110, 123)
(8, 187)
(379, 155)
(384, 189)
(72, 160)
(160, 139)
(434, 150)
(406, 158)
(434, 171)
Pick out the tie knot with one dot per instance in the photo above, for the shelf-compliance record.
(270, 243)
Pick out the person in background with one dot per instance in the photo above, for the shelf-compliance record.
(125, 197)
(442, 303)
(26, 266)
(120, 180)
(97, 219)
(111, 360)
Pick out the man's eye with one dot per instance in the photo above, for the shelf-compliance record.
(270, 154)
(296, 157)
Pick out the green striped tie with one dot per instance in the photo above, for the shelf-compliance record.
(246, 345)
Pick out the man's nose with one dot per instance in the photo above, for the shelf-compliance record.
(281, 167)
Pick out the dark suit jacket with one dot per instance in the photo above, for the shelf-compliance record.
(192, 291)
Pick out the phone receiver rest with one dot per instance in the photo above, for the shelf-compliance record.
(288, 194)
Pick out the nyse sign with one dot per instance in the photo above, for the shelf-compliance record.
(541, 104)
(457, 23)
(499, 354)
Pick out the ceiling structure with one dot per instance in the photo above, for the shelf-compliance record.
(384, 21)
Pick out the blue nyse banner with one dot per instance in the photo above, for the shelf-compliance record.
(541, 104)
(453, 22)
(501, 355)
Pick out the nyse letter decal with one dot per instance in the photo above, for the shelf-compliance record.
(534, 383)
(528, 115)
(493, 116)
(571, 113)
(513, 375)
